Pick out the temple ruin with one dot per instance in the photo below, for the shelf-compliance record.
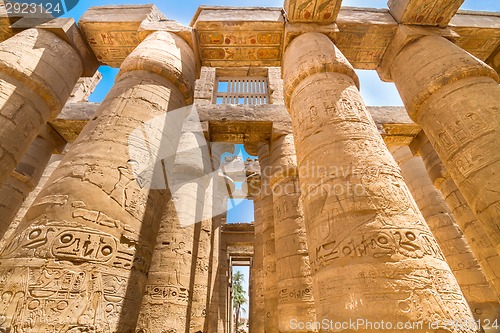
(113, 214)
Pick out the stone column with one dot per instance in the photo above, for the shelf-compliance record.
(269, 255)
(221, 182)
(224, 296)
(476, 236)
(478, 293)
(177, 283)
(257, 301)
(296, 301)
(38, 71)
(28, 172)
(371, 252)
(455, 98)
(51, 166)
(81, 255)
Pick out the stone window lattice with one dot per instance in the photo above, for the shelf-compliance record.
(241, 90)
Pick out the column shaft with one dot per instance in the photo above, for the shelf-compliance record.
(481, 298)
(296, 301)
(268, 240)
(473, 231)
(456, 99)
(25, 178)
(38, 71)
(257, 301)
(372, 254)
(80, 257)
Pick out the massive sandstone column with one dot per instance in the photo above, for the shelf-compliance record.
(372, 254)
(27, 175)
(455, 97)
(257, 278)
(220, 197)
(80, 257)
(177, 284)
(268, 239)
(478, 293)
(481, 245)
(296, 301)
(38, 71)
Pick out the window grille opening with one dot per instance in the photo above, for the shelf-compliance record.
(241, 90)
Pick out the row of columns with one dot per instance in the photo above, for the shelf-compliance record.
(98, 235)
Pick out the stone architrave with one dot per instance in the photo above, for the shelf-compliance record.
(372, 254)
(455, 97)
(80, 257)
(38, 71)
(296, 301)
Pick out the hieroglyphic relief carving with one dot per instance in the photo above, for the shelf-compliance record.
(312, 10)
(362, 219)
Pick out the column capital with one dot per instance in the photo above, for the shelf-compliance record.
(67, 30)
(151, 55)
(405, 35)
(422, 65)
(312, 53)
(34, 57)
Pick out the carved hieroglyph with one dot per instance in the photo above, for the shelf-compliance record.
(318, 11)
(372, 255)
(480, 243)
(478, 293)
(38, 71)
(268, 240)
(456, 99)
(79, 258)
(296, 301)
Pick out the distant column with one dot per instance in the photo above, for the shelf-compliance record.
(177, 283)
(296, 301)
(478, 293)
(476, 236)
(455, 97)
(257, 278)
(217, 309)
(268, 240)
(81, 255)
(372, 254)
(27, 175)
(38, 71)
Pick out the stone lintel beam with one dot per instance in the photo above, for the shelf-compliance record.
(424, 12)
(114, 32)
(404, 36)
(73, 118)
(66, 29)
(479, 34)
(248, 124)
(239, 36)
(364, 34)
(217, 33)
(238, 233)
(316, 11)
